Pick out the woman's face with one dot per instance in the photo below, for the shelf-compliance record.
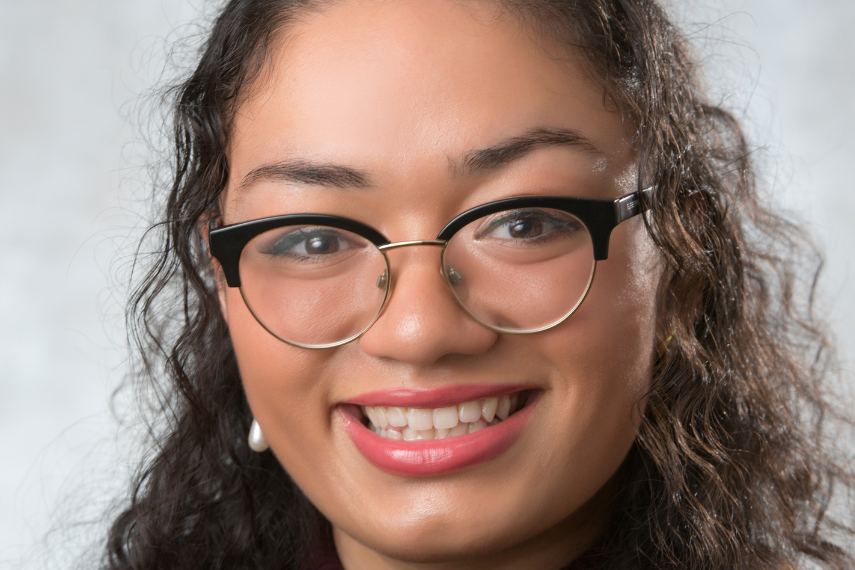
(403, 92)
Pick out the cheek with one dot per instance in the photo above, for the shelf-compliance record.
(628, 297)
(622, 305)
(601, 363)
(608, 349)
(284, 385)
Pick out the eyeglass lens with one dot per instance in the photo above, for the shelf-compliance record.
(514, 271)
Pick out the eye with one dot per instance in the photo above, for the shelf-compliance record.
(525, 228)
(529, 226)
(315, 244)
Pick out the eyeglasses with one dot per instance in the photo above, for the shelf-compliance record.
(517, 266)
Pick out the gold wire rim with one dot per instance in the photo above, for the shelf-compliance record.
(388, 271)
(386, 295)
(515, 331)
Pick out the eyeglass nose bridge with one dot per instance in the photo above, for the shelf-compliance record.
(396, 245)
(450, 275)
(381, 281)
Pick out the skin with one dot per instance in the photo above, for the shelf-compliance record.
(403, 91)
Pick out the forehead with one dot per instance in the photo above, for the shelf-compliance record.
(418, 81)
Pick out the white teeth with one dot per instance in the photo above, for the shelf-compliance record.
(504, 407)
(420, 419)
(488, 409)
(397, 416)
(372, 416)
(445, 418)
(426, 434)
(382, 420)
(413, 424)
(470, 412)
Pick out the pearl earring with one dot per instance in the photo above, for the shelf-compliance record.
(257, 441)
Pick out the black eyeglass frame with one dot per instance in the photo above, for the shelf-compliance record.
(600, 217)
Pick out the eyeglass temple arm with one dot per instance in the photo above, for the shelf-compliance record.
(632, 204)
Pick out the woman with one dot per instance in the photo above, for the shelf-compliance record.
(485, 284)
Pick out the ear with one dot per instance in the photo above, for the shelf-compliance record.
(216, 268)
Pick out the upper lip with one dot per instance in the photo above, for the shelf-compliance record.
(436, 397)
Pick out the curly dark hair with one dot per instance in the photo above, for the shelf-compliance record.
(733, 466)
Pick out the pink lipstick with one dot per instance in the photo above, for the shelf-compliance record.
(438, 457)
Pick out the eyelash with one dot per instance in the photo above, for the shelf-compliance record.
(553, 222)
(293, 239)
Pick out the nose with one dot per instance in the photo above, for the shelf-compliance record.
(421, 322)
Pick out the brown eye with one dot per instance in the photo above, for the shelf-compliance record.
(316, 244)
(528, 226)
(525, 228)
(320, 245)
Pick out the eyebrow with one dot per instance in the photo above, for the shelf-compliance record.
(475, 162)
(509, 150)
(306, 172)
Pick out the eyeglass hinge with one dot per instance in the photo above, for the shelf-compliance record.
(632, 204)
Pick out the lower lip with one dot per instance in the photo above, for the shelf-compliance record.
(437, 457)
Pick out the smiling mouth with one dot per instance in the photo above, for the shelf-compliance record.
(425, 424)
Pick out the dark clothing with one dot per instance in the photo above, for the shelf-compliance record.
(326, 559)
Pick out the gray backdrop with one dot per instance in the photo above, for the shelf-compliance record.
(72, 192)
